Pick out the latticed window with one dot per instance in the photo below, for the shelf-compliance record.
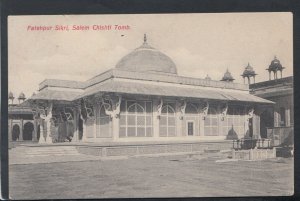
(103, 127)
(167, 124)
(211, 123)
(234, 121)
(89, 128)
(136, 119)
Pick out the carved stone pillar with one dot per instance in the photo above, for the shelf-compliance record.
(287, 116)
(34, 135)
(203, 110)
(95, 107)
(10, 130)
(180, 114)
(42, 138)
(256, 126)
(48, 131)
(156, 104)
(116, 127)
(84, 138)
(246, 126)
(112, 105)
(21, 130)
(276, 118)
(76, 130)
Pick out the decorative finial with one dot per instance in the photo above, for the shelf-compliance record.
(145, 38)
(275, 57)
(248, 63)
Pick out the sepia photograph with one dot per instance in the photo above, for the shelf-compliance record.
(150, 105)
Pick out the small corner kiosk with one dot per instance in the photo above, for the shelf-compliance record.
(144, 99)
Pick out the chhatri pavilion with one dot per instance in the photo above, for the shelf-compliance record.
(144, 99)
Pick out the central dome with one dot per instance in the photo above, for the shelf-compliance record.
(147, 59)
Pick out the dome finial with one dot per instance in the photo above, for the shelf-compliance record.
(275, 57)
(145, 38)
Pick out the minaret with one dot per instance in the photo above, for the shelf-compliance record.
(207, 77)
(227, 76)
(11, 97)
(21, 97)
(248, 73)
(274, 67)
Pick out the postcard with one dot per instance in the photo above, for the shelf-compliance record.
(150, 105)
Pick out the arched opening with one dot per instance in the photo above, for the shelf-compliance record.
(28, 131)
(167, 125)
(15, 132)
(136, 119)
(266, 120)
(282, 116)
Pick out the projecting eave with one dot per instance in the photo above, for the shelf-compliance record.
(163, 78)
(131, 88)
(54, 95)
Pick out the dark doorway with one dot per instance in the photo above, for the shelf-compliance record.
(190, 128)
(251, 127)
(38, 132)
(266, 121)
(15, 132)
(282, 116)
(28, 130)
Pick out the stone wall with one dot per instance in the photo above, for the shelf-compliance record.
(254, 154)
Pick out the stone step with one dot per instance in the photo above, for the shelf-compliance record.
(45, 151)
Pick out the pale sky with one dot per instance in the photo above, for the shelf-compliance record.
(199, 44)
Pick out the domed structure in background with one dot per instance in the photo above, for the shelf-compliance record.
(11, 97)
(207, 77)
(248, 73)
(227, 77)
(274, 67)
(21, 97)
(147, 59)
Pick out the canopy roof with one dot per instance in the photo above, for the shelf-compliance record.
(47, 94)
(127, 87)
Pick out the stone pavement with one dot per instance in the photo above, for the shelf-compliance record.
(167, 176)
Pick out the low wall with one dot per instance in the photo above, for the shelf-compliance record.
(281, 136)
(150, 149)
(254, 154)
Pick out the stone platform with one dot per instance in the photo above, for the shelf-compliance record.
(114, 149)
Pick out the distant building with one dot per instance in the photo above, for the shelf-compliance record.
(21, 125)
(279, 119)
(248, 73)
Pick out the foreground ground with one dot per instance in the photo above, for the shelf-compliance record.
(166, 176)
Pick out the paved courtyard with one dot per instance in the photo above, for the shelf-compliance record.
(165, 176)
